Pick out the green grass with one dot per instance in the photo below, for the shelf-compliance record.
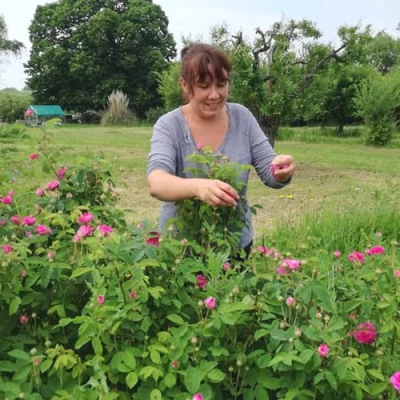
(330, 176)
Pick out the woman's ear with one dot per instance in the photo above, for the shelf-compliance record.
(185, 86)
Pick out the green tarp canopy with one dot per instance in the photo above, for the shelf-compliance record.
(47, 111)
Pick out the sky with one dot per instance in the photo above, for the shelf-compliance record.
(196, 17)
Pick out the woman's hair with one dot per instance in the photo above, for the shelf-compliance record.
(197, 59)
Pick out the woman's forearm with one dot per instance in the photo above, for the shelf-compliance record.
(166, 187)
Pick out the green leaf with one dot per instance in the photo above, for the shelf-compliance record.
(331, 379)
(269, 382)
(19, 354)
(377, 388)
(10, 389)
(376, 374)
(7, 366)
(80, 271)
(192, 379)
(261, 393)
(170, 380)
(155, 357)
(176, 318)
(260, 333)
(129, 360)
(131, 379)
(146, 371)
(14, 305)
(352, 304)
(45, 365)
(216, 375)
(292, 394)
(155, 395)
(97, 346)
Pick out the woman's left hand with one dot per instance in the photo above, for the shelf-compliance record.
(282, 167)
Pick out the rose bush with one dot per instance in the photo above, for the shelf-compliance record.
(93, 308)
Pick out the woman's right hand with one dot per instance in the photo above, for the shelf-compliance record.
(216, 193)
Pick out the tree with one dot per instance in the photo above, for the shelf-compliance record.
(377, 101)
(6, 45)
(271, 74)
(82, 50)
(384, 52)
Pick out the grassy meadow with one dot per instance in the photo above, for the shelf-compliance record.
(338, 179)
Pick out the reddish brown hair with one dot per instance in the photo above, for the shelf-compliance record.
(197, 59)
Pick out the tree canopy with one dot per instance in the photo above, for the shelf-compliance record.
(82, 50)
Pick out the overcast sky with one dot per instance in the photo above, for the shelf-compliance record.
(195, 17)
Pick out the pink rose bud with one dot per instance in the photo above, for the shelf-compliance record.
(290, 301)
(323, 350)
(39, 192)
(210, 303)
(198, 396)
(337, 253)
(15, 219)
(53, 185)
(139, 226)
(132, 295)
(227, 266)
(201, 281)
(23, 319)
(100, 300)
(105, 230)
(199, 146)
(396, 273)
(61, 172)
(174, 364)
(33, 156)
(43, 230)
(375, 250)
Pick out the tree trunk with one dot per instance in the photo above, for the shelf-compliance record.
(269, 126)
(340, 128)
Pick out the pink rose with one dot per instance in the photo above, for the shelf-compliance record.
(6, 199)
(198, 396)
(15, 219)
(7, 248)
(153, 239)
(29, 220)
(357, 257)
(53, 185)
(293, 265)
(282, 270)
(23, 319)
(100, 300)
(3, 222)
(84, 231)
(85, 218)
(39, 192)
(105, 230)
(395, 381)
(61, 172)
(210, 302)
(43, 230)
(396, 273)
(365, 333)
(375, 250)
(33, 156)
(201, 281)
(76, 238)
(199, 146)
(323, 350)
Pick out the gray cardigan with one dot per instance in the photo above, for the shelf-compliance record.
(245, 143)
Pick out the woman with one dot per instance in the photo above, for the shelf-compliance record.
(208, 119)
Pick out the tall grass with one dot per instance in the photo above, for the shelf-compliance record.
(355, 225)
(117, 112)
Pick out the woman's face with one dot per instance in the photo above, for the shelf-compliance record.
(207, 98)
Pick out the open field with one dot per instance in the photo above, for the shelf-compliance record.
(328, 175)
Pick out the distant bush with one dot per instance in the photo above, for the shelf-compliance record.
(13, 105)
(117, 112)
(154, 114)
(13, 131)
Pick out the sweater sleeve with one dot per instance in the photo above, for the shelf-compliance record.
(163, 151)
(262, 154)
